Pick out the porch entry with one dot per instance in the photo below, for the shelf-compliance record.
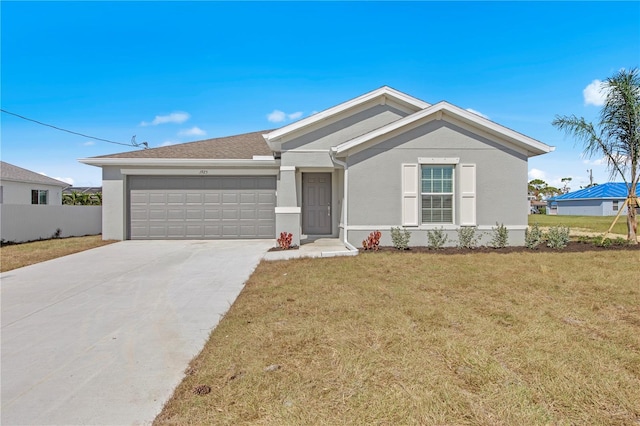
(316, 203)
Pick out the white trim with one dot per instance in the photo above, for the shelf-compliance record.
(327, 151)
(431, 226)
(262, 157)
(179, 162)
(532, 146)
(287, 168)
(199, 172)
(384, 91)
(434, 160)
(288, 210)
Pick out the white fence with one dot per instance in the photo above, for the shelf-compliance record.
(19, 223)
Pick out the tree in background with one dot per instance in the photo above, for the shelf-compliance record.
(541, 189)
(616, 136)
(566, 188)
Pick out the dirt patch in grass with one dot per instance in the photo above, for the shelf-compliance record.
(18, 255)
(391, 338)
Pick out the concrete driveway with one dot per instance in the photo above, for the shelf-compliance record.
(104, 336)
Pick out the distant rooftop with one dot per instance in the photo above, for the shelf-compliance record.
(610, 190)
(18, 174)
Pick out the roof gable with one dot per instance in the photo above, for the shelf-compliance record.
(613, 190)
(383, 95)
(18, 174)
(444, 110)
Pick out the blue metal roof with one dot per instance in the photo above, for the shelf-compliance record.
(611, 190)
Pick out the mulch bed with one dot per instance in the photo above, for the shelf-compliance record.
(572, 247)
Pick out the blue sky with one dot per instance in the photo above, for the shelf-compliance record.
(177, 72)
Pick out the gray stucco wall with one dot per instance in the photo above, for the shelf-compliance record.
(375, 180)
(20, 192)
(334, 134)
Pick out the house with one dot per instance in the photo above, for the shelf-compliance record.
(599, 200)
(91, 190)
(384, 159)
(22, 186)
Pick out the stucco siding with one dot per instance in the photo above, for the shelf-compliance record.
(345, 129)
(595, 207)
(20, 192)
(375, 176)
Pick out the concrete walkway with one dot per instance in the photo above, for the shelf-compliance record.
(103, 336)
(320, 247)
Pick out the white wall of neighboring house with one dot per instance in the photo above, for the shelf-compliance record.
(20, 192)
(22, 221)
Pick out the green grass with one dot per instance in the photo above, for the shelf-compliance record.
(402, 338)
(587, 223)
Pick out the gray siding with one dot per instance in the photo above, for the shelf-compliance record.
(375, 175)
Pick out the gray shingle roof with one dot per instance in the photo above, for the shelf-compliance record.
(243, 146)
(18, 174)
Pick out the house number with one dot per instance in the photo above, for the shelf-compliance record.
(204, 172)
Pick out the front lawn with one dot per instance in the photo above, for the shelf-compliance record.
(402, 338)
(19, 255)
(596, 224)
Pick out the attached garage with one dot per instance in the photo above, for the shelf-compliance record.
(201, 207)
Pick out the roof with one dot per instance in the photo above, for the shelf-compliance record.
(383, 93)
(610, 190)
(18, 174)
(532, 146)
(244, 146)
(83, 189)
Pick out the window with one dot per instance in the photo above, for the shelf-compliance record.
(39, 196)
(615, 206)
(437, 194)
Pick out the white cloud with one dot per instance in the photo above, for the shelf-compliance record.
(89, 143)
(194, 131)
(314, 112)
(174, 117)
(478, 113)
(595, 93)
(167, 143)
(65, 179)
(276, 116)
(597, 162)
(537, 174)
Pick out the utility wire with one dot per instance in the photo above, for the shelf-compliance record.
(133, 139)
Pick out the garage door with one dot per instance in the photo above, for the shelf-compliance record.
(202, 207)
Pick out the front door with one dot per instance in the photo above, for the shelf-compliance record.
(316, 203)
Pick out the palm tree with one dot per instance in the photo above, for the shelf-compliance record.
(616, 136)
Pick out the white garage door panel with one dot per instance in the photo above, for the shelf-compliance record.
(202, 207)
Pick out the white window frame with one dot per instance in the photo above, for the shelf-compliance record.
(40, 193)
(452, 194)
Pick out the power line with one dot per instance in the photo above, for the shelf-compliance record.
(133, 139)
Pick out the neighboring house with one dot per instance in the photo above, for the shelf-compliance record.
(384, 159)
(606, 199)
(22, 186)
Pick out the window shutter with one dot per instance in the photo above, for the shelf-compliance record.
(467, 195)
(410, 194)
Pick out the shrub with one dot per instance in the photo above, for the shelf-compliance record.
(499, 236)
(400, 238)
(284, 242)
(436, 238)
(373, 241)
(467, 237)
(558, 237)
(57, 234)
(533, 237)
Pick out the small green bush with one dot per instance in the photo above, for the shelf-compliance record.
(467, 237)
(558, 237)
(533, 237)
(400, 238)
(436, 238)
(499, 236)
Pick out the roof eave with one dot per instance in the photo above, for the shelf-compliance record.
(179, 162)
